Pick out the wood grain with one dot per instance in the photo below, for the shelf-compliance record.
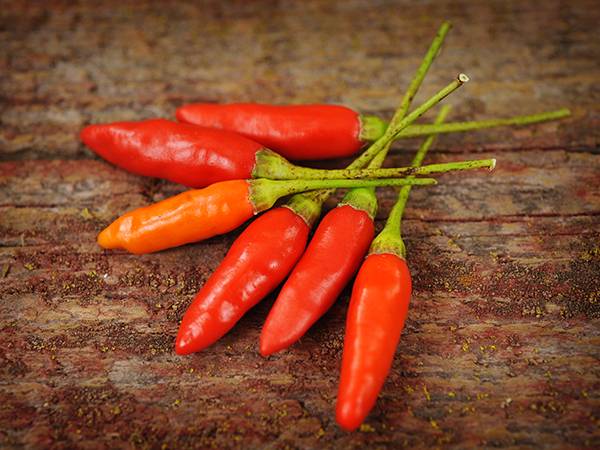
(501, 348)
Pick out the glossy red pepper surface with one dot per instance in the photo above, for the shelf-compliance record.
(331, 259)
(187, 154)
(376, 315)
(256, 263)
(295, 131)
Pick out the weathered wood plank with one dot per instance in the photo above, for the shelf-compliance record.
(498, 302)
(501, 345)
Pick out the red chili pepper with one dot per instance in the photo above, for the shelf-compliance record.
(197, 156)
(199, 214)
(187, 154)
(376, 316)
(297, 132)
(331, 259)
(257, 262)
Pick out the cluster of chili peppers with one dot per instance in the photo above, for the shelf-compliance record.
(237, 154)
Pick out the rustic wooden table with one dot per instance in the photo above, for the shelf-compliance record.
(502, 343)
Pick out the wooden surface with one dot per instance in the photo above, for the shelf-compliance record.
(502, 344)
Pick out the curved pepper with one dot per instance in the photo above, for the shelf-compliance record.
(188, 217)
(256, 263)
(186, 154)
(317, 280)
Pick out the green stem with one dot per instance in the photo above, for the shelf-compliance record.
(426, 145)
(417, 80)
(394, 130)
(308, 205)
(264, 193)
(453, 127)
(413, 88)
(398, 210)
(390, 238)
(316, 174)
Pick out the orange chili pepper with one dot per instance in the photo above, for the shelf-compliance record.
(190, 216)
(199, 214)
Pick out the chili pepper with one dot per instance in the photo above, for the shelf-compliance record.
(190, 155)
(199, 214)
(376, 315)
(321, 131)
(296, 131)
(336, 249)
(254, 268)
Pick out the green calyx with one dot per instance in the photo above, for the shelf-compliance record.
(306, 206)
(363, 199)
(371, 128)
(388, 241)
(273, 166)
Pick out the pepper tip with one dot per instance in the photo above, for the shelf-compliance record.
(347, 418)
(265, 349)
(186, 343)
(107, 239)
(180, 348)
(182, 345)
(86, 134)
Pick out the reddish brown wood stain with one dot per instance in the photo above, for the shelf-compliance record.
(501, 346)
